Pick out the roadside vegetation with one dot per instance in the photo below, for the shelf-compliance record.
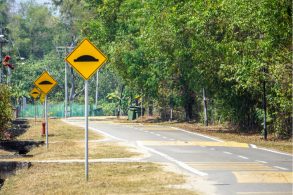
(163, 54)
(5, 111)
(104, 178)
(230, 134)
(66, 143)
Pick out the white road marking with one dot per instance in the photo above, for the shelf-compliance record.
(157, 134)
(198, 134)
(273, 151)
(253, 146)
(282, 168)
(171, 139)
(146, 131)
(243, 157)
(227, 152)
(165, 137)
(179, 163)
(261, 161)
(94, 129)
(212, 148)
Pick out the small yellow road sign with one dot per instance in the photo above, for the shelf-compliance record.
(45, 82)
(35, 93)
(86, 59)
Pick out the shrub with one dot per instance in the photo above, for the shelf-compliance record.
(5, 109)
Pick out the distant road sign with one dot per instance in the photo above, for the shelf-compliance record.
(45, 82)
(35, 93)
(86, 59)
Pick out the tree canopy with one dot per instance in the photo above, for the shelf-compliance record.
(169, 51)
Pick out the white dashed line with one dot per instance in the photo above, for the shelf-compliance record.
(165, 137)
(179, 163)
(146, 131)
(260, 161)
(276, 152)
(212, 148)
(282, 168)
(243, 157)
(157, 134)
(172, 139)
(198, 134)
(227, 152)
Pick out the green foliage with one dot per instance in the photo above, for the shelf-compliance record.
(169, 51)
(6, 109)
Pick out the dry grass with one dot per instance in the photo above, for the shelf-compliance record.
(4, 152)
(230, 135)
(104, 178)
(75, 150)
(67, 142)
(58, 131)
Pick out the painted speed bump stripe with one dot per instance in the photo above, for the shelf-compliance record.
(231, 166)
(264, 193)
(158, 128)
(263, 177)
(195, 143)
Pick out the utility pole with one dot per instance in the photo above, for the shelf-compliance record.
(2, 40)
(265, 106)
(63, 51)
(205, 108)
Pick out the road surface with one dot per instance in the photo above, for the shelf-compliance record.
(227, 167)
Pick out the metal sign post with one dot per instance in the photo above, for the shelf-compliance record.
(86, 59)
(35, 112)
(86, 127)
(46, 121)
(45, 83)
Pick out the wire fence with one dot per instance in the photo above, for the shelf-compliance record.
(57, 110)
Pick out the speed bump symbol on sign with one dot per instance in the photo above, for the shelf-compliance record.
(45, 82)
(35, 93)
(86, 59)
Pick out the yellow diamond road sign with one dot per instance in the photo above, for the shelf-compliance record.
(86, 59)
(45, 82)
(35, 93)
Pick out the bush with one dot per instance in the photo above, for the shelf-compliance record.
(5, 109)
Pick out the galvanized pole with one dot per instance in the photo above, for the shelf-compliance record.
(35, 112)
(86, 128)
(97, 88)
(46, 121)
(66, 92)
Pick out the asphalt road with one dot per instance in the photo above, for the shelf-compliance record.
(228, 167)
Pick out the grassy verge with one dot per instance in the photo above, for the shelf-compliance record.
(58, 131)
(66, 142)
(230, 135)
(110, 178)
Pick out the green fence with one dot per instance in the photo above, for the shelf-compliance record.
(57, 110)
